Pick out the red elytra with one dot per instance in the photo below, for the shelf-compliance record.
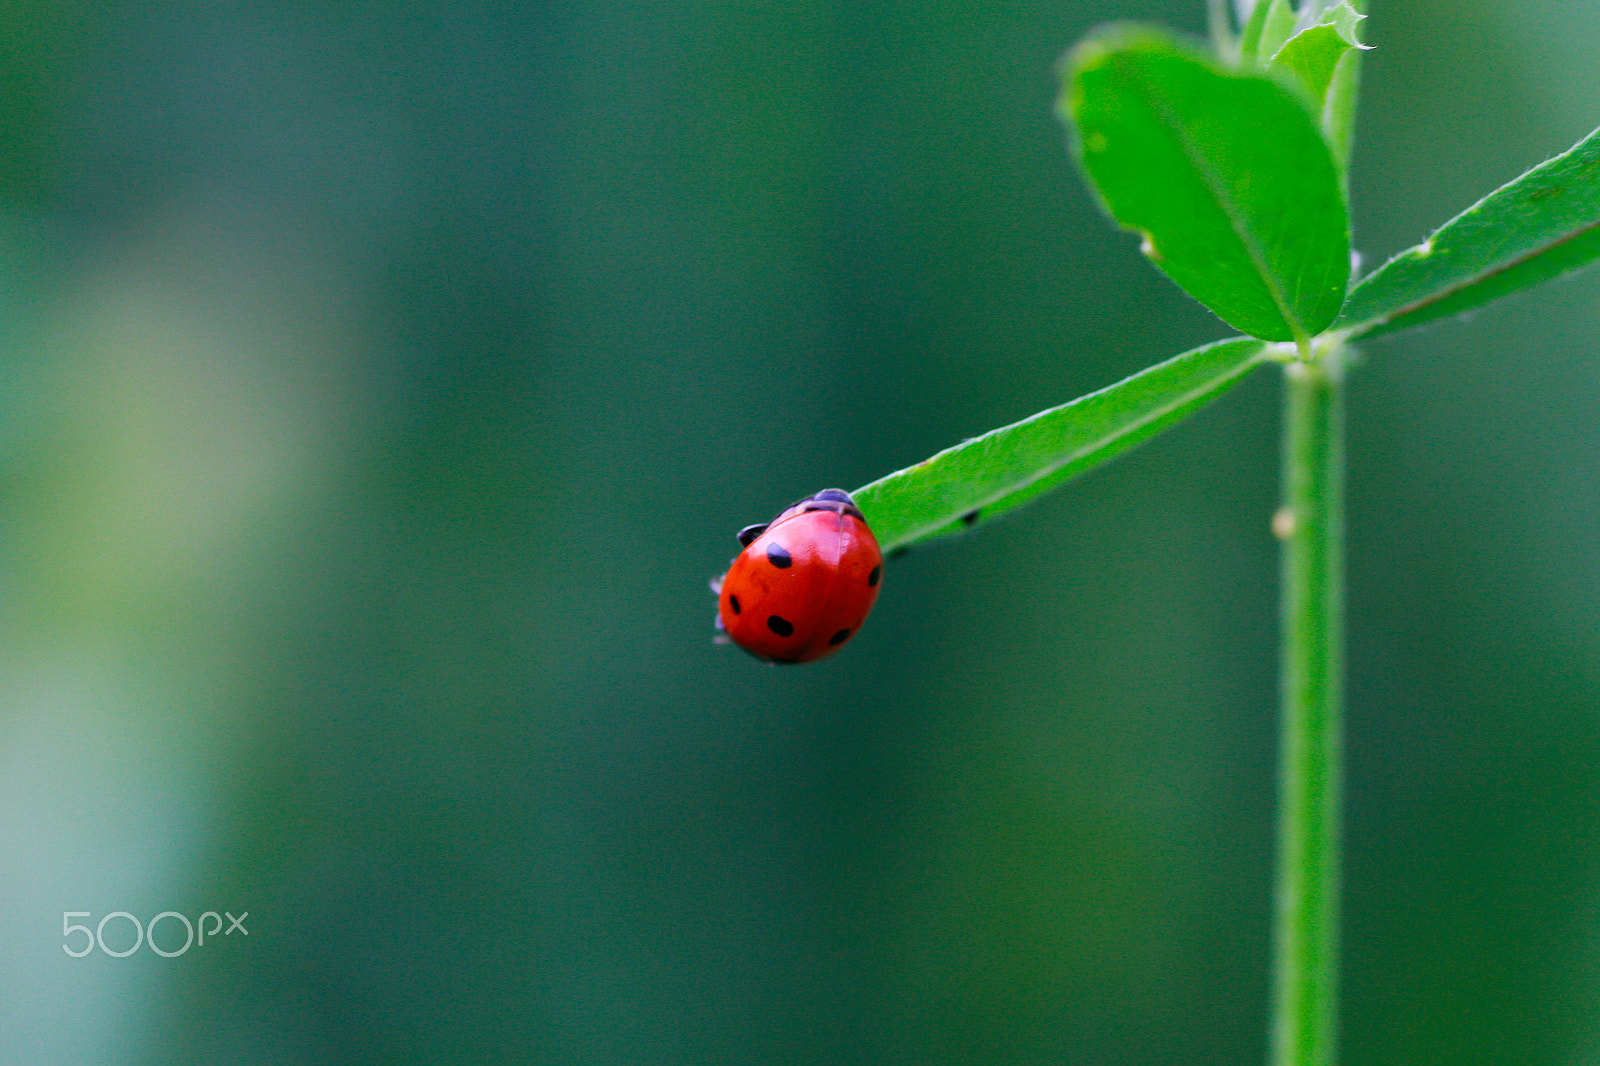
(804, 583)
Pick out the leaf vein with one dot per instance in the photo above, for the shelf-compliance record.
(1236, 221)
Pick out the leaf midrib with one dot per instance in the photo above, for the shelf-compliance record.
(1241, 231)
(1099, 442)
(1466, 283)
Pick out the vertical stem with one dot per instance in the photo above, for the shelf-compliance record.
(1306, 899)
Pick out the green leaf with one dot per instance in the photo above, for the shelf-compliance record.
(1324, 59)
(1310, 57)
(1544, 224)
(1315, 11)
(1339, 106)
(1225, 175)
(1271, 22)
(981, 478)
(1312, 54)
(1250, 32)
(1277, 28)
(1347, 20)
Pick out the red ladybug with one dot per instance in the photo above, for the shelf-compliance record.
(804, 583)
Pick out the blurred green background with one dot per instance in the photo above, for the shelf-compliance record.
(383, 383)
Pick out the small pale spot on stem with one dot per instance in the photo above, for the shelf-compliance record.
(1283, 523)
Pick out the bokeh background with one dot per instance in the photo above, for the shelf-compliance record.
(382, 383)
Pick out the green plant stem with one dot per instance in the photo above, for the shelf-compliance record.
(1306, 898)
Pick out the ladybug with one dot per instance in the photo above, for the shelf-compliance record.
(804, 583)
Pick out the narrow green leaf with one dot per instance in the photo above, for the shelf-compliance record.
(1544, 224)
(1277, 28)
(1315, 11)
(988, 475)
(1325, 60)
(1310, 57)
(1312, 54)
(1347, 20)
(1225, 175)
(1339, 106)
(1250, 34)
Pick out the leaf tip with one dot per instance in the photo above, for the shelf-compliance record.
(1089, 54)
(1105, 43)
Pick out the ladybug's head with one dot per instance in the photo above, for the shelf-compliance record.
(835, 500)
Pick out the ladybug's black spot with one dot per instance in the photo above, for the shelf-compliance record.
(779, 625)
(733, 601)
(970, 518)
(839, 637)
(778, 556)
(872, 578)
(750, 533)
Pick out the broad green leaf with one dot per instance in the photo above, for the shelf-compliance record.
(988, 475)
(1540, 226)
(1225, 175)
